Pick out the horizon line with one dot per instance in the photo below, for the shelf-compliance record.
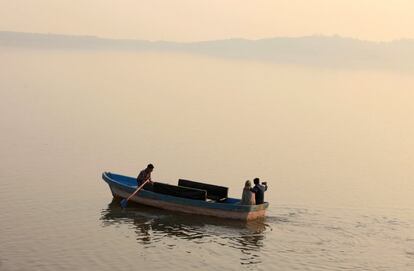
(212, 40)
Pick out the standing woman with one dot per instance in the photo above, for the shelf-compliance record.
(247, 196)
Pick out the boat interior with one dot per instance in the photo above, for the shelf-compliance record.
(193, 190)
(185, 189)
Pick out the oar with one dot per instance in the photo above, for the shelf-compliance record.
(124, 202)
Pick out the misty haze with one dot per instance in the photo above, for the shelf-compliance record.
(327, 121)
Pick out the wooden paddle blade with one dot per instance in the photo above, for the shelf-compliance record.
(124, 203)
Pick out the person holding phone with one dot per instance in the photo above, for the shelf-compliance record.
(259, 190)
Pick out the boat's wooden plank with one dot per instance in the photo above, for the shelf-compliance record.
(214, 192)
(179, 191)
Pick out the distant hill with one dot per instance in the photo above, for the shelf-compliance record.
(323, 51)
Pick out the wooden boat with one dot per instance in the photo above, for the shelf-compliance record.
(187, 197)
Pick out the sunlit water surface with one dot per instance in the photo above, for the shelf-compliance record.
(336, 147)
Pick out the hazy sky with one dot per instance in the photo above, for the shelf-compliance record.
(189, 20)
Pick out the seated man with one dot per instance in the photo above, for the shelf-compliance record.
(259, 190)
(145, 175)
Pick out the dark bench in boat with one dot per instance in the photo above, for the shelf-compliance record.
(179, 191)
(214, 192)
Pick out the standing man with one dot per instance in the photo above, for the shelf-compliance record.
(259, 190)
(145, 175)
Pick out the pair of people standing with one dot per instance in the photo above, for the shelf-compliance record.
(258, 191)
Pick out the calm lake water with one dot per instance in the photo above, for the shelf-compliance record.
(335, 146)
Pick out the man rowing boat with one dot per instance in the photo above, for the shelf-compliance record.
(145, 175)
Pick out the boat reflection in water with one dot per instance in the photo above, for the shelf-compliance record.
(153, 226)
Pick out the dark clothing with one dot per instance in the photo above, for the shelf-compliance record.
(143, 176)
(258, 191)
